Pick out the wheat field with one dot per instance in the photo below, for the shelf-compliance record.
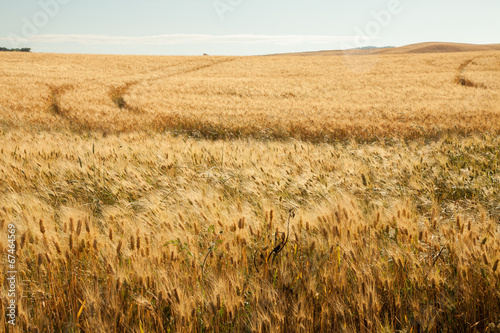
(314, 99)
(252, 194)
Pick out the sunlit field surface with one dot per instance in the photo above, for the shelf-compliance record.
(252, 194)
(316, 99)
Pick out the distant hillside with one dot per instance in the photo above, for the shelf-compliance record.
(436, 47)
(373, 47)
(431, 47)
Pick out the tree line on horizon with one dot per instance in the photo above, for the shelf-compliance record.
(24, 49)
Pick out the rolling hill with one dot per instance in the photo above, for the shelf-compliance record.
(430, 47)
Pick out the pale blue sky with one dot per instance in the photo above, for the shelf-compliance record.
(240, 27)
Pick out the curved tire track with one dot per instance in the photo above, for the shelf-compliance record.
(462, 80)
(55, 93)
(117, 93)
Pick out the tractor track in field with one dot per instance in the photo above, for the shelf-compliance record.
(117, 93)
(55, 108)
(54, 99)
(462, 80)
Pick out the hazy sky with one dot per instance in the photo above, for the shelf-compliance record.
(240, 27)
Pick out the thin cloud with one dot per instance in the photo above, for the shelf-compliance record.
(173, 39)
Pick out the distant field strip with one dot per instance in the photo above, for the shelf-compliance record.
(315, 99)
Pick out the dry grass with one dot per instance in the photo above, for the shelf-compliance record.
(316, 99)
(124, 225)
